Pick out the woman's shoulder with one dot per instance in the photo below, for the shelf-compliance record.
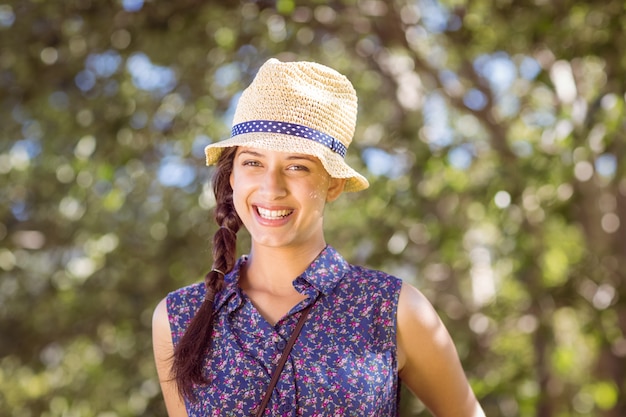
(372, 282)
(186, 299)
(189, 291)
(364, 273)
(180, 307)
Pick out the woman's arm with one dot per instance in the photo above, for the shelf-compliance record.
(163, 354)
(428, 362)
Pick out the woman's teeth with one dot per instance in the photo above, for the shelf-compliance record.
(273, 214)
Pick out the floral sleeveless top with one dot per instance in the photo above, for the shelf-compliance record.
(343, 364)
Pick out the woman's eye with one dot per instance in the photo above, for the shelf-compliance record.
(251, 163)
(298, 168)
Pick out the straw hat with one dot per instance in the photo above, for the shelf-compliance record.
(297, 107)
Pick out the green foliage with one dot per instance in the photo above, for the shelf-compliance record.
(492, 134)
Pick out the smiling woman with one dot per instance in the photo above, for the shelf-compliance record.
(280, 198)
(292, 328)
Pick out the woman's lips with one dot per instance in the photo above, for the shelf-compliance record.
(268, 214)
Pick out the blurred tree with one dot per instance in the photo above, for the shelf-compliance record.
(492, 133)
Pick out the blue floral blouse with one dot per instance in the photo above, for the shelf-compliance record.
(343, 364)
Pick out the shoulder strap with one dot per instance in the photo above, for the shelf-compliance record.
(283, 360)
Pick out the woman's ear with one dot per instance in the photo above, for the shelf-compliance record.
(335, 188)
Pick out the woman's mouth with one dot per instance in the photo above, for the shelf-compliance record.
(273, 214)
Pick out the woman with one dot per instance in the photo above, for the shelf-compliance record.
(217, 344)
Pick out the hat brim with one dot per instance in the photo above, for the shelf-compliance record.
(332, 162)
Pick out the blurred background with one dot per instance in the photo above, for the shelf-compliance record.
(492, 132)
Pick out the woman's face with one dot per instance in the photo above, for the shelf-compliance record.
(280, 197)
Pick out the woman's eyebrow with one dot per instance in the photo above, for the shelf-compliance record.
(250, 152)
(303, 156)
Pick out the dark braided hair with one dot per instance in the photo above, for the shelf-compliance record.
(189, 354)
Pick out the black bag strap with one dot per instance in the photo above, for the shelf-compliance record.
(283, 360)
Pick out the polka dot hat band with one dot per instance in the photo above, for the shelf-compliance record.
(291, 129)
(297, 107)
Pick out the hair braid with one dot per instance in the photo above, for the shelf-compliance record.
(187, 367)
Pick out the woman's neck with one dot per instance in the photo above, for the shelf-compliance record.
(273, 270)
(267, 279)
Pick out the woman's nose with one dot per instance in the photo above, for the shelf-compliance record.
(274, 184)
